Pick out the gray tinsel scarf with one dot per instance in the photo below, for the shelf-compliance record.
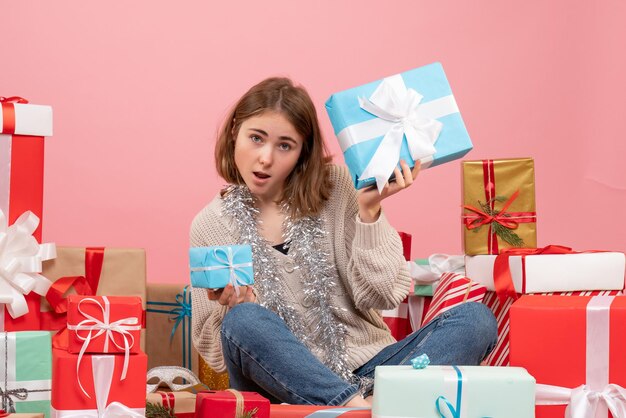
(319, 328)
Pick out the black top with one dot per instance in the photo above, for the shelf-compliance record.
(282, 248)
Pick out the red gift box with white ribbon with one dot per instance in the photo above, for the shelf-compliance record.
(98, 385)
(574, 347)
(22, 130)
(499, 356)
(104, 324)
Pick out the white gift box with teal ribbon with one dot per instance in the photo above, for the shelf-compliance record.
(25, 372)
(215, 267)
(410, 116)
(453, 391)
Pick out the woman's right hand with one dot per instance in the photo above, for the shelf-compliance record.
(228, 297)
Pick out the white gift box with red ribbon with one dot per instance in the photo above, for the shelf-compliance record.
(543, 273)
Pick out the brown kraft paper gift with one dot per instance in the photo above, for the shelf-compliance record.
(88, 270)
(169, 309)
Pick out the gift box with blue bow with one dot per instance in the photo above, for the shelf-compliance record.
(410, 116)
(215, 267)
(428, 391)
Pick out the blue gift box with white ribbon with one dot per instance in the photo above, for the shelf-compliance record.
(215, 267)
(410, 116)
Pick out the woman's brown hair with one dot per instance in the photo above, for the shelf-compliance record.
(308, 185)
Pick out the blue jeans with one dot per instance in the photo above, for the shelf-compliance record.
(262, 355)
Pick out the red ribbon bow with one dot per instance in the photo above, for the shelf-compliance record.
(8, 112)
(502, 279)
(84, 285)
(502, 217)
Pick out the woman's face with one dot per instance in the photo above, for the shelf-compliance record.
(267, 148)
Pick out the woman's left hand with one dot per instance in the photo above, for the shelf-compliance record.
(369, 199)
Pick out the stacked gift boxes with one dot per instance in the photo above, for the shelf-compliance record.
(25, 356)
(568, 334)
(413, 116)
(100, 367)
(499, 218)
(91, 271)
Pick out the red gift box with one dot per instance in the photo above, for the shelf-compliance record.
(569, 342)
(499, 356)
(231, 403)
(453, 289)
(22, 130)
(315, 411)
(87, 386)
(398, 319)
(104, 324)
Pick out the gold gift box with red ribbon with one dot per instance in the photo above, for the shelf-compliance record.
(498, 205)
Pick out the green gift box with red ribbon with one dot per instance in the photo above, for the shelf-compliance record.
(498, 205)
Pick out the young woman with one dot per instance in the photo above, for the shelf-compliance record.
(326, 262)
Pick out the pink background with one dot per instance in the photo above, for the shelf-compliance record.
(139, 88)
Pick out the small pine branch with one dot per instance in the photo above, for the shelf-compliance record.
(507, 235)
(154, 410)
(249, 414)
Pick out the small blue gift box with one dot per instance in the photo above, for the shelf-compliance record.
(215, 267)
(409, 116)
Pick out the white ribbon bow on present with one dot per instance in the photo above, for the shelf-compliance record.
(21, 258)
(438, 264)
(102, 370)
(399, 112)
(583, 402)
(104, 326)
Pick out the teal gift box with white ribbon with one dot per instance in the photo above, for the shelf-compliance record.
(25, 372)
(453, 391)
(215, 267)
(410, 116)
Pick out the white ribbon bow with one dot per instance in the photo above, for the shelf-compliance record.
(438, 264)
(394, 103)
(102, 367)
(228, 262)
(583, 402)
(104, 326)
(21, 258)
